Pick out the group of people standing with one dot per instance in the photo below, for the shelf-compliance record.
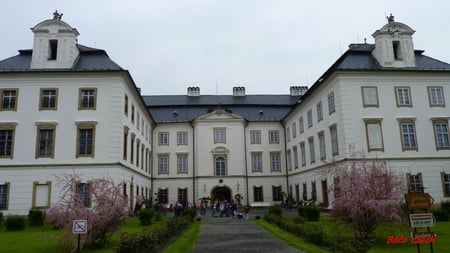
(223, 208)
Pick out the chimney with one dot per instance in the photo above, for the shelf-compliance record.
(298, 90)
(238, 91)
(193, 91)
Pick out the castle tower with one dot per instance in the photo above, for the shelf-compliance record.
(394, 45)
(55, 44)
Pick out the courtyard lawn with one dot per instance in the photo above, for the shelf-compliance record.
(45, 239)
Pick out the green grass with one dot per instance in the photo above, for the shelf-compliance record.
(45, 239)
(289, 238)
(442, 229)
(186, 242)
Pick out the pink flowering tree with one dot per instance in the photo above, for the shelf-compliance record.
(366, 193)
(105, 213)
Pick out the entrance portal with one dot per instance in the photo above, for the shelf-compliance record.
(221, 193)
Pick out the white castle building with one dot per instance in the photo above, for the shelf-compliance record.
(69, 109)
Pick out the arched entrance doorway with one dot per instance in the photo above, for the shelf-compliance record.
(221, 193)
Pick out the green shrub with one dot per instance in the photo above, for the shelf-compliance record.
(36, 218)
(1, 218)
(190, 213)
(440, 214)
(15, 223)
(310, 213)
(275, 210)
(145, 216)
(446, 206)
(313, 233)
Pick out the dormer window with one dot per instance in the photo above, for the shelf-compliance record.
(397, 51)
(53, 49)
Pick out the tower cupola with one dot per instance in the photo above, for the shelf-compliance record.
(55, 44)
(394, 45)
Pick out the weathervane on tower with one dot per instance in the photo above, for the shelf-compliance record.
(56, 15)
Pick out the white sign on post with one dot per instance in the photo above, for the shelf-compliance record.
(421, 220)
(79, 226)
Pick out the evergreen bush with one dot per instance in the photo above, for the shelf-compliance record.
(15, 223)
(310, 213)
(36, 218)
(446, 206)
(275, 210)
(313, 233)
(1, 218)
(440, 214)
(190, 213)
(145, 216)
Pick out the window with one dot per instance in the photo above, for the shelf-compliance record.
(182, 138)
(85, 140)
(182, 163)
(305, 192)
(7, 140)
(132, 144)
(4, 196)
(255, 137)
(397, 50)
(374, 135)
(331, 106)
(277, 194)
(312, 154)
(403, 96)
(310, 118)
(445, 184)
(369, 96)
(138, 143)
(41, 194)
(163, 196)
(415, 183)
(132, 113)
(313, 191)
(125, 106)
(408, 134)
(84, 193)
(288, 158)
(274, 137)
(301, 126)
(334, 140)
(87, 99)
(258, 195)
(48, 99)
(256, 162)
(125, 142)
(436, 96)
(294, 130)
(322, 151)
(220, 166)
(441, 134)
(163, 164)
(275, 162)
(163, 138)
(319, 111)
(303, 153)
(295, 151)
(45, 143)
(219, 135)
(138, 120)
(182, 195)
(53, 49)
(9, 99)
(288, 133)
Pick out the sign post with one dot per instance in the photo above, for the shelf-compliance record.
(79, 227)
(421, 201)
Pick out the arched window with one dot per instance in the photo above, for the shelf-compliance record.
(220, 166)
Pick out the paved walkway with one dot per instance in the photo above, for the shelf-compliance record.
(227, 234)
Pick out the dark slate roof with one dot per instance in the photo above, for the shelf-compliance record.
(90, 59)
(182, 108)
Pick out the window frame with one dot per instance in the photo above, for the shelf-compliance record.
(303, 153)
(85, 126)
(43, 127)
(163, 138)
(277, 193)
(430, 96)
(295, 154)
(81, 95)
(331, 103)
(367, 97)
(182, 138)
(255, 136)
(334, 140)
(438, 136)
(42, 96)
(370, 139)
(15, 99)
(163, 160)
(445, 177)
(83, 195)
(403, 96)
(309, 118)
(275, 161)
(256, 160)
(408, 135)
(322, 145)
(274, 134)
(258, 193)
(182, 163)
(8, 142)
(301, 126)
(417, 185)
(4, 195)
(319, 109)
(312, 153)
(220, 135)
(222, 170)
(35, 194)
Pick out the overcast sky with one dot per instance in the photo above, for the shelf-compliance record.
(265, 46)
